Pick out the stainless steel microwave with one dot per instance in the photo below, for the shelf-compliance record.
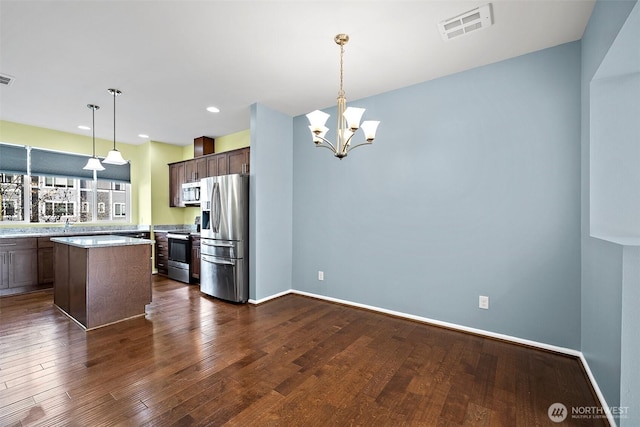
(191, 193)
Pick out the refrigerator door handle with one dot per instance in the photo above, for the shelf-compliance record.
(217, 207)
(218, 245)
(215, 260)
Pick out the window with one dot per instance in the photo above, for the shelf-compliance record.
(119, 209)
(58, 209)
(47, 195)
(12, 197)
(51, 181)
(8, 209)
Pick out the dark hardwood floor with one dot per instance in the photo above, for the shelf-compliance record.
(293, 361)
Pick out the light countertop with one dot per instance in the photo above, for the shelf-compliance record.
(100, 241)
(60, 232)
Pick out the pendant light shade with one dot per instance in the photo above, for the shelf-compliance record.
(114, 157)
(93, 163)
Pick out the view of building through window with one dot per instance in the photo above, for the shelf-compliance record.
(45, 199)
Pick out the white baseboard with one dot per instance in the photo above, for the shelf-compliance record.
(594, 384)
(270, 297)
(536, 344)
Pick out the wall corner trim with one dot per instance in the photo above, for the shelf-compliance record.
(596, 389)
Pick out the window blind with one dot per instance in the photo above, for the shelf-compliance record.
(55, 163)
(117, 173)
(13, 159)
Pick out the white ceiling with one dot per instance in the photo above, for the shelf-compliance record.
(172, 59)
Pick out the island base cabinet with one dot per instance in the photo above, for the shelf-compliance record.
(61, 277)
(100, 286)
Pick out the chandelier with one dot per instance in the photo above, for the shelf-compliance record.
(348, 119)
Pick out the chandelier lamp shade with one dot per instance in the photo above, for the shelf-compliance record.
(348, 119)
(114, 157)
(93, 163)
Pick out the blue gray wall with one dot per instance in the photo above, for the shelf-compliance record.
(602, 262)
(471, 188)
(271, 195)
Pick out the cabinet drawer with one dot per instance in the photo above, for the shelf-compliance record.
(19, 243)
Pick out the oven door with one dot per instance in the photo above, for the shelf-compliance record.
(178, 264)
(179, 247)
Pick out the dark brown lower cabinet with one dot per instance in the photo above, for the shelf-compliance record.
(162, 252)
(195, 259)
(18, 262)
(45, 261)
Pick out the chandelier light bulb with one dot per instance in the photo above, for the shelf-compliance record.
(369, 128)
(353, 116)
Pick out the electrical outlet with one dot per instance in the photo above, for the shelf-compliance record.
(483, 302)
(320, 275)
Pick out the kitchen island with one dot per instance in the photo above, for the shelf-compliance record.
(101, 280)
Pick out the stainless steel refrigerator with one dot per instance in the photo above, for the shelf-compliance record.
(224, 237)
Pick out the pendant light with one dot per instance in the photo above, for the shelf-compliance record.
(93, 163)
(114, 157)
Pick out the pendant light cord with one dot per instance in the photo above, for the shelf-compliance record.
(114, 92)
(114, 120)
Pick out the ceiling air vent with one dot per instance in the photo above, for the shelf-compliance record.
(476, 19)
(6, 79)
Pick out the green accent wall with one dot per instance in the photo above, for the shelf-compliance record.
(160, 155)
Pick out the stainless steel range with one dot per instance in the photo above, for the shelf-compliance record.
(179, 256)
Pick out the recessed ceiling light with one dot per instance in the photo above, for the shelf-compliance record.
(83, 127)
(142, 135)
(213, 109)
